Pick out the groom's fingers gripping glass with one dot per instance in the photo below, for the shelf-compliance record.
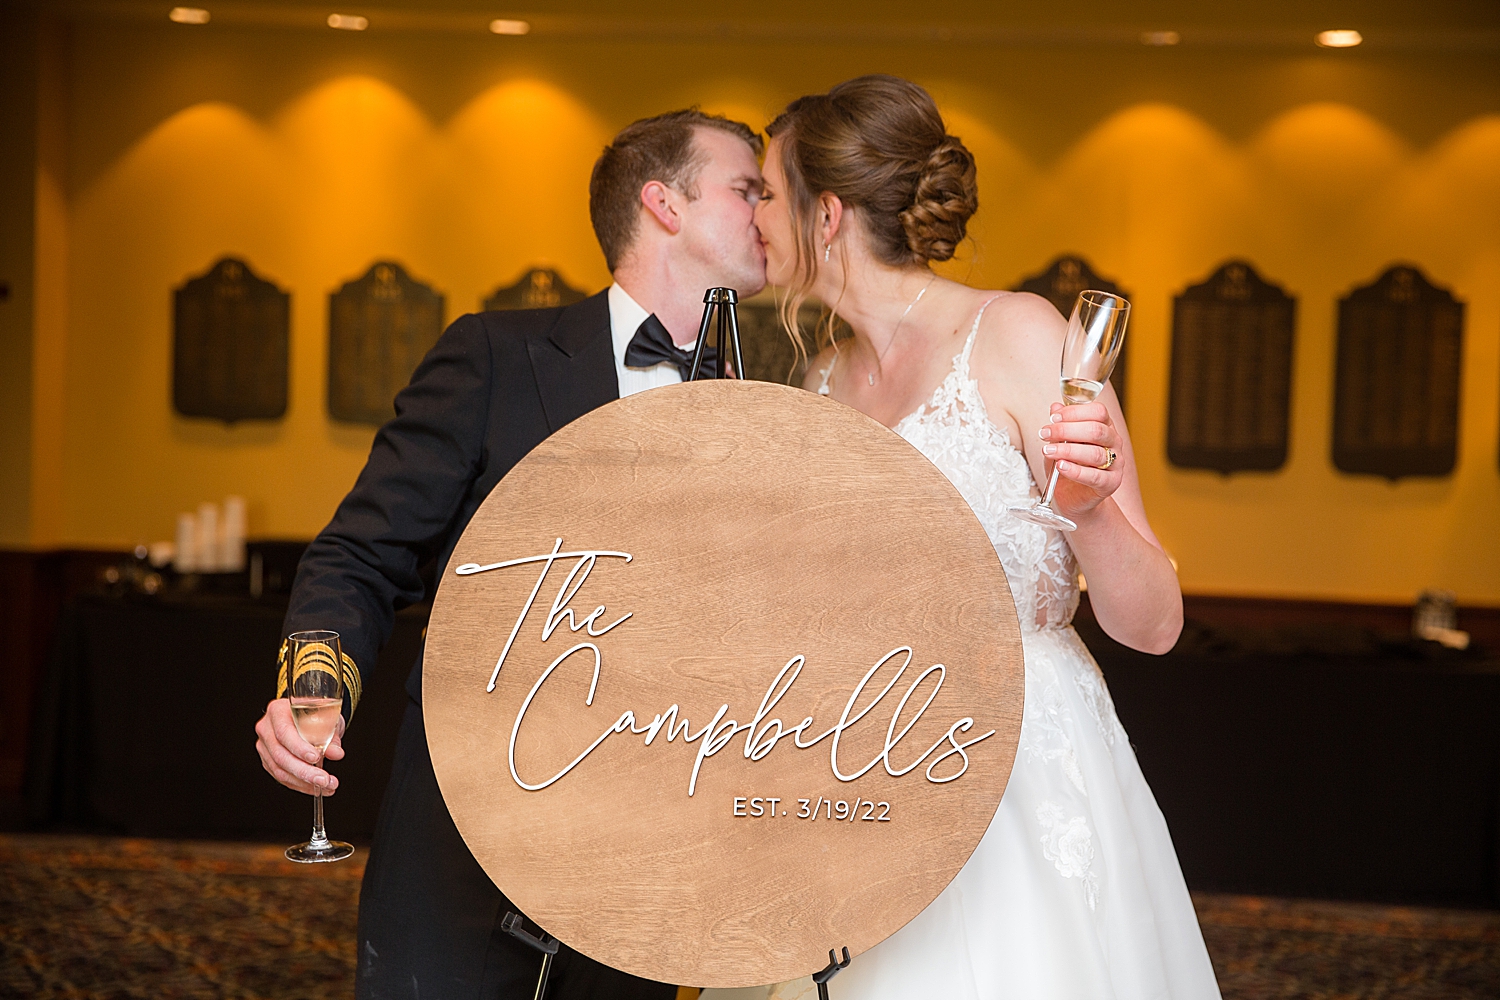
(280, 762)
(289, 758)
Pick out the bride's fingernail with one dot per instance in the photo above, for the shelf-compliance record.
(1056, 418)
(1049, 449)
(1044, 433)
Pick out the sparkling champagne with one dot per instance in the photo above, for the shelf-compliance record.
(317, 719)
(1095, 332)
(1080, 390)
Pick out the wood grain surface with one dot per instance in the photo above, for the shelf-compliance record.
(763, 523)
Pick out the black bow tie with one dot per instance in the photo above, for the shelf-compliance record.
(652, 345)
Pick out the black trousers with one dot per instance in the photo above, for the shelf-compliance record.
(429, 917)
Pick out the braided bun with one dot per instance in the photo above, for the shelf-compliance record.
(946, 197)
(880, 144)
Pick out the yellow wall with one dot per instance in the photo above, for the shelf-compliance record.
(18, 155)
(49, 397)
(312, 154)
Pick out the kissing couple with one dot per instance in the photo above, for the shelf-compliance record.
(1075, 890)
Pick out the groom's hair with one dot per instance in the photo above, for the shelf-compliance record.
(652, 149)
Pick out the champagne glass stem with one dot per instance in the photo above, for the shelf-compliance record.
(1051, 488)
(319, 836)
(315, 688)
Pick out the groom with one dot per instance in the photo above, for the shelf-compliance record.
(672, 201)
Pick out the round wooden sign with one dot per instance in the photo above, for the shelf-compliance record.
(720, 677)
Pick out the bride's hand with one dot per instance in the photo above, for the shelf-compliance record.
(1080, 440)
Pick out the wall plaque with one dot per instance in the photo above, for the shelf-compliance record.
(1229, 404)
(1060, 284)
(1400, 346)
(379, 328)
(539, 288)
(230, 336)
(720, 677)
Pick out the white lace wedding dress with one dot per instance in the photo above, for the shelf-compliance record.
(1074, 893)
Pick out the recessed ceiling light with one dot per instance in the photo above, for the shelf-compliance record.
(1160, 38)
(501, 26)
(1341, 39)
(189, 15)
(348, 22)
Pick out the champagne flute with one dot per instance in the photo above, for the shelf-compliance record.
(1096, 331)
(315, 689)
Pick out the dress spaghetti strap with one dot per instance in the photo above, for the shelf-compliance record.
(963, 360)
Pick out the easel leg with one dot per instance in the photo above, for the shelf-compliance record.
(723, 371)
(834, 968)
(541, 983)
(718, 305)
(515, 927)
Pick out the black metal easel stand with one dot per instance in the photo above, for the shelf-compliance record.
(719, 303)
(515, 926)
(833, 969)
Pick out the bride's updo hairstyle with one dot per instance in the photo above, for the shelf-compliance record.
(880, 145)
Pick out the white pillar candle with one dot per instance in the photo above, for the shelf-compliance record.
(206, 546)
(232, 550)
(187, 535)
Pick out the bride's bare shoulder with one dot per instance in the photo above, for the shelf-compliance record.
(1028, 319)
(1017, 331)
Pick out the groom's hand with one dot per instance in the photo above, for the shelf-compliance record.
(289, 758)
(1081, 439)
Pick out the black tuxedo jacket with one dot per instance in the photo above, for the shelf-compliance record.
(495, 386)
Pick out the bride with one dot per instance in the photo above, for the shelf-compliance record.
(1074, 893)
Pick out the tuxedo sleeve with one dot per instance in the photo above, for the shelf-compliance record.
(362, 568)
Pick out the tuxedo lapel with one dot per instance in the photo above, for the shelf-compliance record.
(574, 363)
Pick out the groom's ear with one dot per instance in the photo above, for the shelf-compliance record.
(661, 201)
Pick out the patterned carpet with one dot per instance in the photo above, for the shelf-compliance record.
(93, 917)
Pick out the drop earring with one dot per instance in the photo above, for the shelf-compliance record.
(827, 249)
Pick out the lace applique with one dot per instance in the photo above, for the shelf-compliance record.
(954, 431)
(1044, 732)
(1096, 699)
(1069, 845)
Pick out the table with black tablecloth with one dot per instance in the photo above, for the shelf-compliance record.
(145, 722)
(1333, 763)
(1326, 763)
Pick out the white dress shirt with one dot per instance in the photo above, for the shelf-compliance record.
(625, 317)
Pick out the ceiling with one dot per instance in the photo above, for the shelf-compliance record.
(1463, 24)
